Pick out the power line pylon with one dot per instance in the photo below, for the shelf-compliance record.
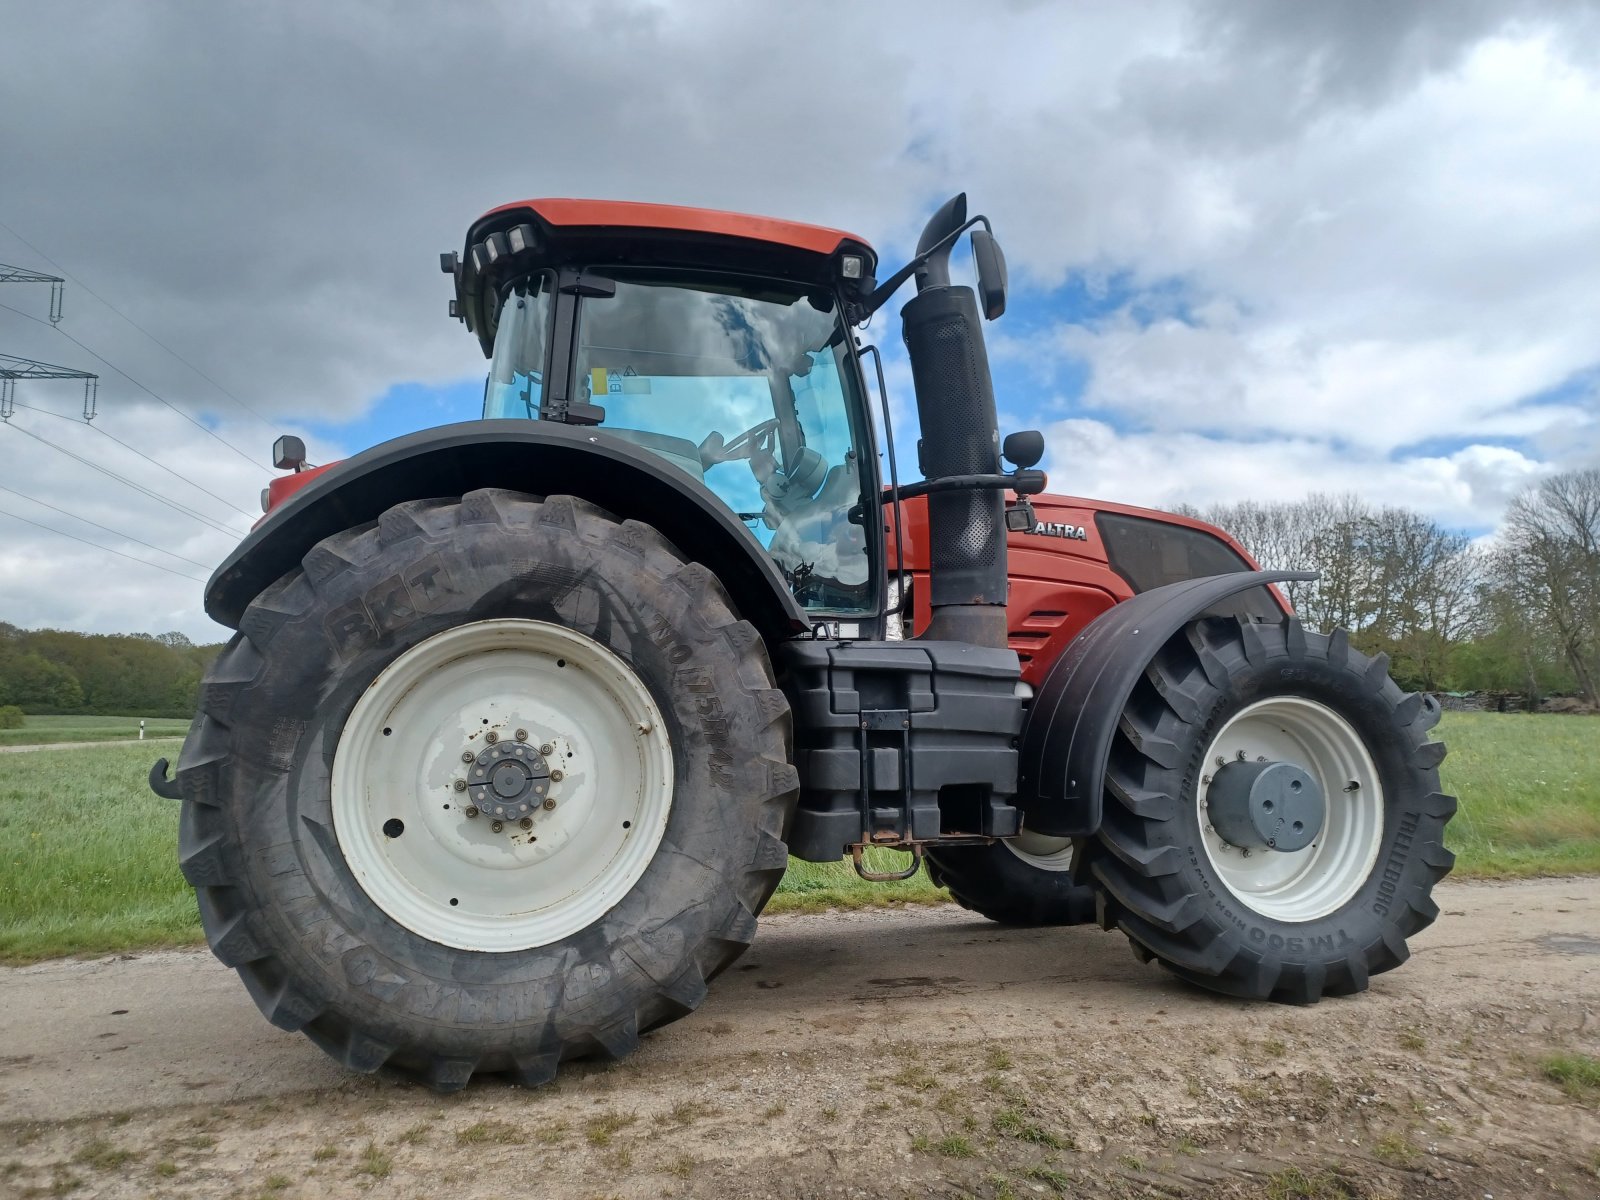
(23, 275)
(13, 368)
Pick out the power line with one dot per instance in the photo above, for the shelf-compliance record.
(138, 326)
(106, 529)
(98, 546)
(143, 457)
(200, 425)
(138, 487)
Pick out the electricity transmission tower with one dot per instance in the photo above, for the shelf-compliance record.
(23, 275)
(13, 368)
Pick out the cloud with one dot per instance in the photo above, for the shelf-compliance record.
(1352, 232)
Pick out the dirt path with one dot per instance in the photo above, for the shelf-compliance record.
(149, 741)
(898, 1053)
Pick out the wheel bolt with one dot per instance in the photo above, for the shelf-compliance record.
(472, 810)
(526, 822)
(547, 749)
(460, 785)
(491, 737)
(549, 804)
(496, 827)
(556, 776)
(466, 756)
(522, 735)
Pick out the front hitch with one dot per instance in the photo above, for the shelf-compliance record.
(162, 784)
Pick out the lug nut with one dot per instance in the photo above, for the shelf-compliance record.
(496, 827)
(460, 785)
(491, 737)
(547, 749)
(556, 776)
(522, 735)
(466, 756)
(472, 810)
(549, 804)
(526, 822)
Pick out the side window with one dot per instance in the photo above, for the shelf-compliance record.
(515, 387)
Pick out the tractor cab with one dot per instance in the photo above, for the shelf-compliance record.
(720, 344)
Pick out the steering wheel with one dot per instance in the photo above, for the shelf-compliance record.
(758, 439)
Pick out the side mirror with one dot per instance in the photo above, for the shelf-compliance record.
(1023, 448)
(990, 262)
(288, 453)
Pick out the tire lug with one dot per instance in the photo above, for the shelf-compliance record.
(496, 826)
(460, 785)
(1221, 762)
(492, 737)
(526, 822)
(549, 804)
(472, 810)
(466, 756)
(556, 776)
(522, 735)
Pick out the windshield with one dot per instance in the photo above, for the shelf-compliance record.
(746, 388)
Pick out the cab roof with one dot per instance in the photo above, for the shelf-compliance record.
(630, 214)
(517, 239)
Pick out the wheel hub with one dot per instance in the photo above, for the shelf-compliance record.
(1266, 806)
(508, 780)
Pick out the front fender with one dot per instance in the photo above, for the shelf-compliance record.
(527, 456)
(1067, 738)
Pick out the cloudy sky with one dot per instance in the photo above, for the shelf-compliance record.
(1256, 249)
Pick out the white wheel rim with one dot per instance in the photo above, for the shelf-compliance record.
(1305, 884)
(451, 878)
(1037, 850)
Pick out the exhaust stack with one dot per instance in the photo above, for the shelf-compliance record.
(960, 436)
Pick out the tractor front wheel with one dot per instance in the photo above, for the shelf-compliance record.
(492, 783)
(1027, 880)
(1273, 822)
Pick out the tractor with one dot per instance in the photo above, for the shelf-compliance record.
(525, 715)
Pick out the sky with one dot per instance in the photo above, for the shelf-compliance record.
(1256, 249)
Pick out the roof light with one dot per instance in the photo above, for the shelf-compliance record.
(288, 453)
(850, 266)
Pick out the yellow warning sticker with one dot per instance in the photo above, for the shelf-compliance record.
(597, 381)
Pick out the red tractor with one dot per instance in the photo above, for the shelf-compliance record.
(525, 715)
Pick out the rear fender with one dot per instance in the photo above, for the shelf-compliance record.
(1067, 738)
(527, 456)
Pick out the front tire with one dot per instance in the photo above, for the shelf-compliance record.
(375, 893)
(1291, 926)
(1025, 881)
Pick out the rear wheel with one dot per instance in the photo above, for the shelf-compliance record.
(1273, 823)
(1025, 880)
(490, 784)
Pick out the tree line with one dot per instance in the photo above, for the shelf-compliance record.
(45, 671)
(1519, 613)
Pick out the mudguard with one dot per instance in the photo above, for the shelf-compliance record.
(1067, 738)
(528, 456)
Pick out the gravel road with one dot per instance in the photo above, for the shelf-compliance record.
(883, 1053)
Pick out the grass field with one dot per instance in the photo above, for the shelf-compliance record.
(88, 854)
(42, 731)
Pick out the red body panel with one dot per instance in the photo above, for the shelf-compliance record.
(1058, 584)
(627, 214)
(284, 486)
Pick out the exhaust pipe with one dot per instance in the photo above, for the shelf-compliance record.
(960, 436)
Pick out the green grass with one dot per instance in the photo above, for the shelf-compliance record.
(1578, 1074)
(1529, 787)
(41, 731)
(88, 856)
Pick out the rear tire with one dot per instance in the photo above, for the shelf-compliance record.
(1024, 881)
(337, 934)
(1286, 928)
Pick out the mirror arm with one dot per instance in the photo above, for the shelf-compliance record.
(892, 285)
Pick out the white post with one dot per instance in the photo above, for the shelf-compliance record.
(141, 730)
